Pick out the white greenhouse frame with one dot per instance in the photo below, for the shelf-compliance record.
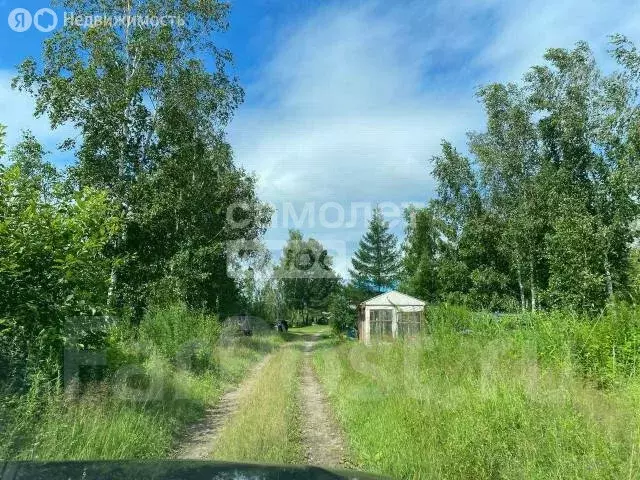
(402, 312)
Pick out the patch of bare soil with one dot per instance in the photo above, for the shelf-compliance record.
(201, 437)
(322, 437)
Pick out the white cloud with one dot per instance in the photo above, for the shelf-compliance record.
(341, 112)
(524, 30)
(355, 99)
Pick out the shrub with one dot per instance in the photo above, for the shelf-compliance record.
(186, 338)
(52, 261)
(341, 317)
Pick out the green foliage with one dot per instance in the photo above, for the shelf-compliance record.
(341, 316)
(53, 261)
(101, 422)
(486, 396)
(186, 338)
(375, 264)
(420, 247)
(305, 276)
(183, 229)
(141, 221)
(604, 350)
(150, 111)
(268, 303)
(541, 215)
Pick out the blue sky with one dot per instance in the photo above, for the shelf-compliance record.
(347, 100)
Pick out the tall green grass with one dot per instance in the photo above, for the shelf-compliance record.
(177, 366)
(479, 396)
(266, 428)
(604, 349)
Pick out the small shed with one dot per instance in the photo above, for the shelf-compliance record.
(389, 315)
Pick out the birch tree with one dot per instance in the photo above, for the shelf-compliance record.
(149, 103)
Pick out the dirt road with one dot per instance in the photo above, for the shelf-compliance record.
(322, 439)
(321, 435)
(201, 437)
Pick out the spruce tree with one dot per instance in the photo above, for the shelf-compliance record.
(376, 263)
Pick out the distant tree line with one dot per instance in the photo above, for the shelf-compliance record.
(541, 214)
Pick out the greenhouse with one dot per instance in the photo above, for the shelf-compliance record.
(389, 315)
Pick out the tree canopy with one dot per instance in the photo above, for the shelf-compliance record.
(150, 112)
(305, 276)
(541, 214)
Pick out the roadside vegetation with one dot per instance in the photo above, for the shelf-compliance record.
(153, 386)
(482, 396)
(527, 255)
(113, 269)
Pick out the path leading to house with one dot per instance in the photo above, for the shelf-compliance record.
(201, 437)
(322, 437)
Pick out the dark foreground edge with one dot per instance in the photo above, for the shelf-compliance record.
(167, 470)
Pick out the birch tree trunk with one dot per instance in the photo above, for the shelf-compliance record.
(130, 68)
(533, 287)
(523, 301)
(607, 276)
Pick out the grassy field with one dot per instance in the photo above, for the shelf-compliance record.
(324, 330)
(266, 428)
(486, 404)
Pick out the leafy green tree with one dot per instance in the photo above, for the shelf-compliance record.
(457, 197)
(479, 249)
(420, 248)
(376, 264)
(509, 157)
(269, 302)
(588, 137)
(52, 261)
(305, 276)
(542, 212)
(187, 218)
(468, 264)
(151, 111)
